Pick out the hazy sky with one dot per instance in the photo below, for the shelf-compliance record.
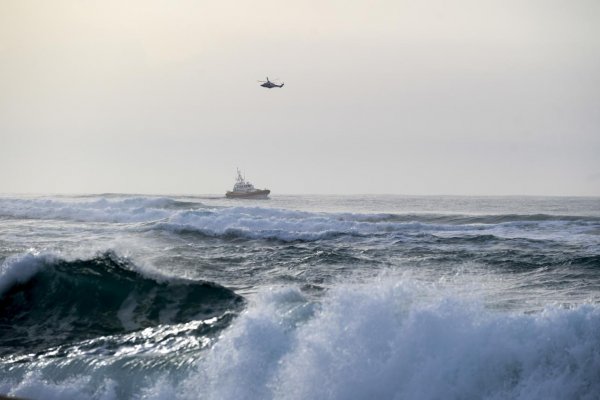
(391, 96)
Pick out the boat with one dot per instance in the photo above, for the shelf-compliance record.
(245, 190)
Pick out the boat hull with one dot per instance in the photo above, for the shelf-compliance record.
(256, 194)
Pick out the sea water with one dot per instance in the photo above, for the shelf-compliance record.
(299, 297)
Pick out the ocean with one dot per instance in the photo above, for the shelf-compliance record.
(299, 297)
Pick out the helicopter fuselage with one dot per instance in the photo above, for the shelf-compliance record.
(271, 85)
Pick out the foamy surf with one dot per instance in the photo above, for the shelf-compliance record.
(399, 340)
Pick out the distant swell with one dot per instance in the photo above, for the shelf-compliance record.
(184, 217)
(288, 225)
(47, 301)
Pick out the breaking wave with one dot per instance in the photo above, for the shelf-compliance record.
(46, 300)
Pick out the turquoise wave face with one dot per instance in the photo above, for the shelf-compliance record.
(68, 301)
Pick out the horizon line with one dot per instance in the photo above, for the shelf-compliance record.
(219, 195)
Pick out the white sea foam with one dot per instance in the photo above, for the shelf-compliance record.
(34, 386)
(385, 341)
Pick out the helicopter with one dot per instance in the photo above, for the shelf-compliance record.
(270, 85)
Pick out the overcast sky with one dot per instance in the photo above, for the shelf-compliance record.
(390, 96)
